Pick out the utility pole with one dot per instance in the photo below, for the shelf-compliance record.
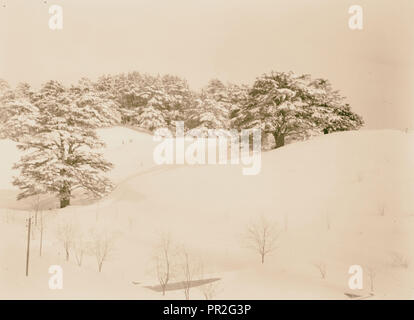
(28, 246)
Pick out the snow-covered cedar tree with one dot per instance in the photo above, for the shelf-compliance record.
(343, 119)
(142, 104)
(143, 98)
(150, 119)
(290, 106)
(330, 112)
(23, 90)
(237, 97)
(4, 86)
(4, 112)
(211, 108)
(18, 118)
(13, 102)
(208, 114)
(101, 108)
(60, 151)
(178, 99)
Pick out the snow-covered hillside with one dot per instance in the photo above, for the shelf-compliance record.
(339, 200)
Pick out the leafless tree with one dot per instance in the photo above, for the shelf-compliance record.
(322, 269)
(381, 209)
(66, 235)
(190, 269)
(97, 212)
(371, 277)
(261, 236)
(209, 290)
(36, 208)
(399, 260)
(130, 223)
(9, 216)
(102, 246)
(328, 221)
(6, 216)
(164, 262)
(79, 249)
(41, 233)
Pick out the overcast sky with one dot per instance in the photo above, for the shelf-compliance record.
(233, 40)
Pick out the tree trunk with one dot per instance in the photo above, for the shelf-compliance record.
(64, 202)
(279, 140)
(64, 195)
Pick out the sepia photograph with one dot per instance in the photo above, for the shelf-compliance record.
(206, 150)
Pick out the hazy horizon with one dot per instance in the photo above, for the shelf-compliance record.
(234, 41)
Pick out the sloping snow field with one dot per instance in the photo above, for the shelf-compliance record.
(339, 200)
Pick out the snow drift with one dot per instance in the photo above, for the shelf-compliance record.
(339, 200)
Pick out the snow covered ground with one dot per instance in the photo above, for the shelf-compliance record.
(339, 200)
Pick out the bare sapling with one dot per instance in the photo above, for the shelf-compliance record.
(381, 209)
(41, 233)
(102, 246)
(399, 260)
(210, 289)
(328, 221)
(66, 235)
(262, 236)
(164, 262)
(36, 207)
(6, 216)
(371, 277)
(190, 269)
(321, 268)
(79, 249)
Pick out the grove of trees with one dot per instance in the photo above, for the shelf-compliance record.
(55, 124)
